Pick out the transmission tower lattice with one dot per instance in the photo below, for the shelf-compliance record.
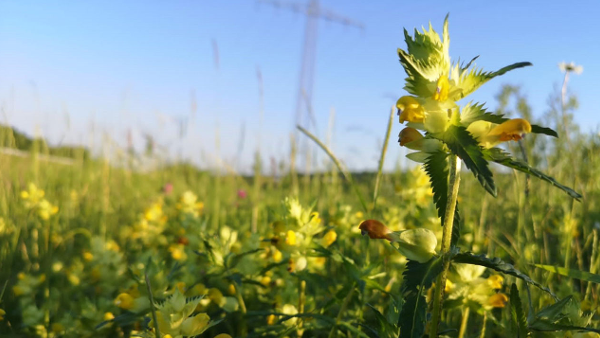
(313, 12)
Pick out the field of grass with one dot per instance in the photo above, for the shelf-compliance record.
(86, 245)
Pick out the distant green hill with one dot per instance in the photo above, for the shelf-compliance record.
(12, 138)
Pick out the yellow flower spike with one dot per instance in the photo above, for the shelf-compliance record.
(409, 109)
(409, 135)
(124, 301)
(271, 319)
(329, 238)
(290, 238)
(442, 89)
(511, 130)
(498, 300)
(495, 281)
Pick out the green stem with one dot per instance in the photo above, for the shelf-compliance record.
(382, 157)
(151, 298)
(482, 334)
(338, 319)
(463, 323)
(337, 163)
(453, 185)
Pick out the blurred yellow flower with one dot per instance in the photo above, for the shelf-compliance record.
(178, 252)
(329, 238)
(495, 281)
(290, 238)
(2, 313)
(498, 300)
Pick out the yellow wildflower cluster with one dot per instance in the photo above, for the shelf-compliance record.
(189, 204)
(468, 285)
(34, 200)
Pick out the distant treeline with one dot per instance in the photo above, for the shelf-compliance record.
(12, 138)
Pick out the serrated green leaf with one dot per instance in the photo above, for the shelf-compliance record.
(543, 130)
(386, 329)
(498, 265)
(437, 168)
(577, 274)
(471, 112)
(501, 157)
(462, 143)
(235, 259)
(563, 315)
(517, 313)
(469, 81)
(418, 277)
(418, 75)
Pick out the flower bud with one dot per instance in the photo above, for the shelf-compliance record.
(416, 244)
(375, 229)
(409, 138)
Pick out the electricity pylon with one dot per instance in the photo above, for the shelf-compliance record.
(313, 12)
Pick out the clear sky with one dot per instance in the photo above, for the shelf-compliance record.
(148, 66)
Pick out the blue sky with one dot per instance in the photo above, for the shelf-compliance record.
(147, 66)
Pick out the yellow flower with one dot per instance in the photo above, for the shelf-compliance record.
(265, 281)
(109, 316)
(178, 252)
(193, 326)
(329, 238)
(215, 296)
(271, 319)
(277, 256)
(489, 135)
(2, 313)
(124, 301)
(290, 238)
(196, 290)
(442, 89)
(87, 256)
(408, 137)
(409, 109)
(498, 300)
(495, 281)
